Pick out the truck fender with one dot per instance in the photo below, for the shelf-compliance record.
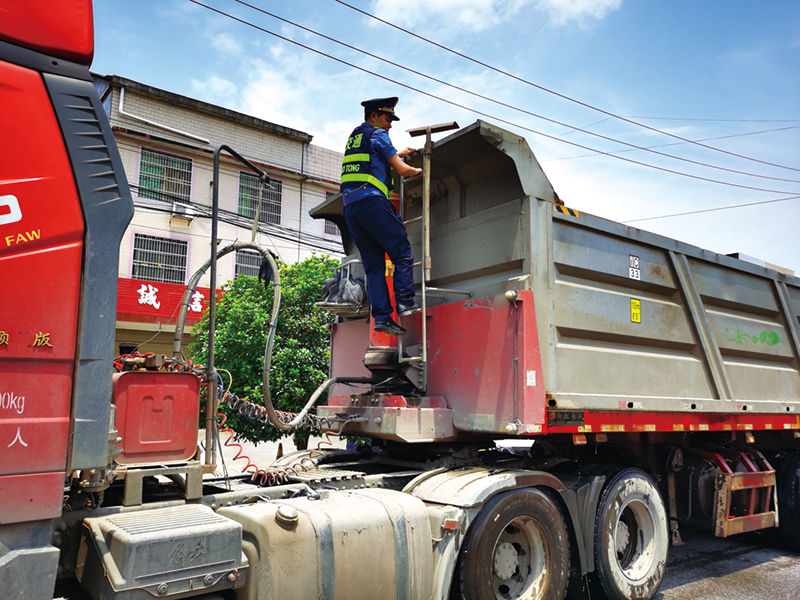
(469, 488)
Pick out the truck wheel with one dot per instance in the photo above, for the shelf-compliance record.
(517, 548)
(788, 480)
(630, 539)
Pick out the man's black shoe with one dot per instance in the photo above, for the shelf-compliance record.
(389, 327)
(403, 310)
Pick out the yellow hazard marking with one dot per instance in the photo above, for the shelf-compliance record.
(727, 427)
(703, 427)
(566, 211)
(678, 427)
(584, 428)
(612, 428)
(767, 425)
(636, 310)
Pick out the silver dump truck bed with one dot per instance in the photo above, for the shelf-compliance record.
(626, 319)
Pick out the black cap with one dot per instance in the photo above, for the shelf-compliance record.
(384, 105)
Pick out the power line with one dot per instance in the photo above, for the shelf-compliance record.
(478, 112)
(303, 238)
(722, 137)
(553, 92)
(706, 210)
(233, 172)
(288, 185)
(512, 107)
(718, 120)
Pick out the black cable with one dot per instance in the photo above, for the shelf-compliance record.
(243, 221)
(512, 107)
(722, 137)
(307, 239)
(705, 210)
(553, 92)
(271, 236)
(718, 120)
(478, 112)
(287, 183)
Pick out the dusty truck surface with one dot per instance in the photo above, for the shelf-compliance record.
(571, 391)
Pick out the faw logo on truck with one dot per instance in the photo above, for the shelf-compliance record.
(9, 210)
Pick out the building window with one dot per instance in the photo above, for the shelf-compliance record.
(270, 199)
(247, 263)
(164, 177)
(330, 226)
(159, 259)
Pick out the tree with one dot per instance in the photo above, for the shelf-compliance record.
(300, 350)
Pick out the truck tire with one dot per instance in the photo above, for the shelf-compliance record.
(631, 538)
(517, 547)
(788, 480)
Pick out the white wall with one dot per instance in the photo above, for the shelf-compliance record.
(283, 157)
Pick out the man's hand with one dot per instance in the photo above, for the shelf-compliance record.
(406, 152)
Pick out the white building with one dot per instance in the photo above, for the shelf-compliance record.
(167, 144)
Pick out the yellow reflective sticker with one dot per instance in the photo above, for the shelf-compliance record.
(636, 311)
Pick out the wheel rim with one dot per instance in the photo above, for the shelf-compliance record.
(519, 561)
(635, 539)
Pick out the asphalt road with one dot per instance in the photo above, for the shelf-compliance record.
(745, 567)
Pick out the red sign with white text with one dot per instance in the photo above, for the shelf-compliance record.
(158, 302)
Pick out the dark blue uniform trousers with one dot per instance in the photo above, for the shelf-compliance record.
(376, 228)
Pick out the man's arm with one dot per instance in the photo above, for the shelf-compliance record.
(402, 168)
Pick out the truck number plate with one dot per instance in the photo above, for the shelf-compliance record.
(633, 267)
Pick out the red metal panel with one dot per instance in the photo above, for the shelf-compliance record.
(471, 363)
(41, 237)
(31, 497)
(64, 28)
(349, 341)
(157, 416)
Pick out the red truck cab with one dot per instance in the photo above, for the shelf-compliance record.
(64, 206)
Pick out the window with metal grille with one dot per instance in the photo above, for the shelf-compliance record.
(164, 176)
(159, 259)
(330, 226)
(247, 263)
(270, 199)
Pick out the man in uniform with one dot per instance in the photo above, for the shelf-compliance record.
(373, 221)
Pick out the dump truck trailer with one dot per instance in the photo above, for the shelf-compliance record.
(571, 391)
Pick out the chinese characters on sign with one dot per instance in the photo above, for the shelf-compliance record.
(155, 301)
(18, 438)
(147, 295)
(195, 306)
(41, 340)
(4, 338)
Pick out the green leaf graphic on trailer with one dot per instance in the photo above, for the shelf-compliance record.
(770, 338)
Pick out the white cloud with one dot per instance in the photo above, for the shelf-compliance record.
(215, 87)
(225, 42)
(563, 11)
(480, 15)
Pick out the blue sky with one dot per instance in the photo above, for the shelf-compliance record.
(724, 71)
